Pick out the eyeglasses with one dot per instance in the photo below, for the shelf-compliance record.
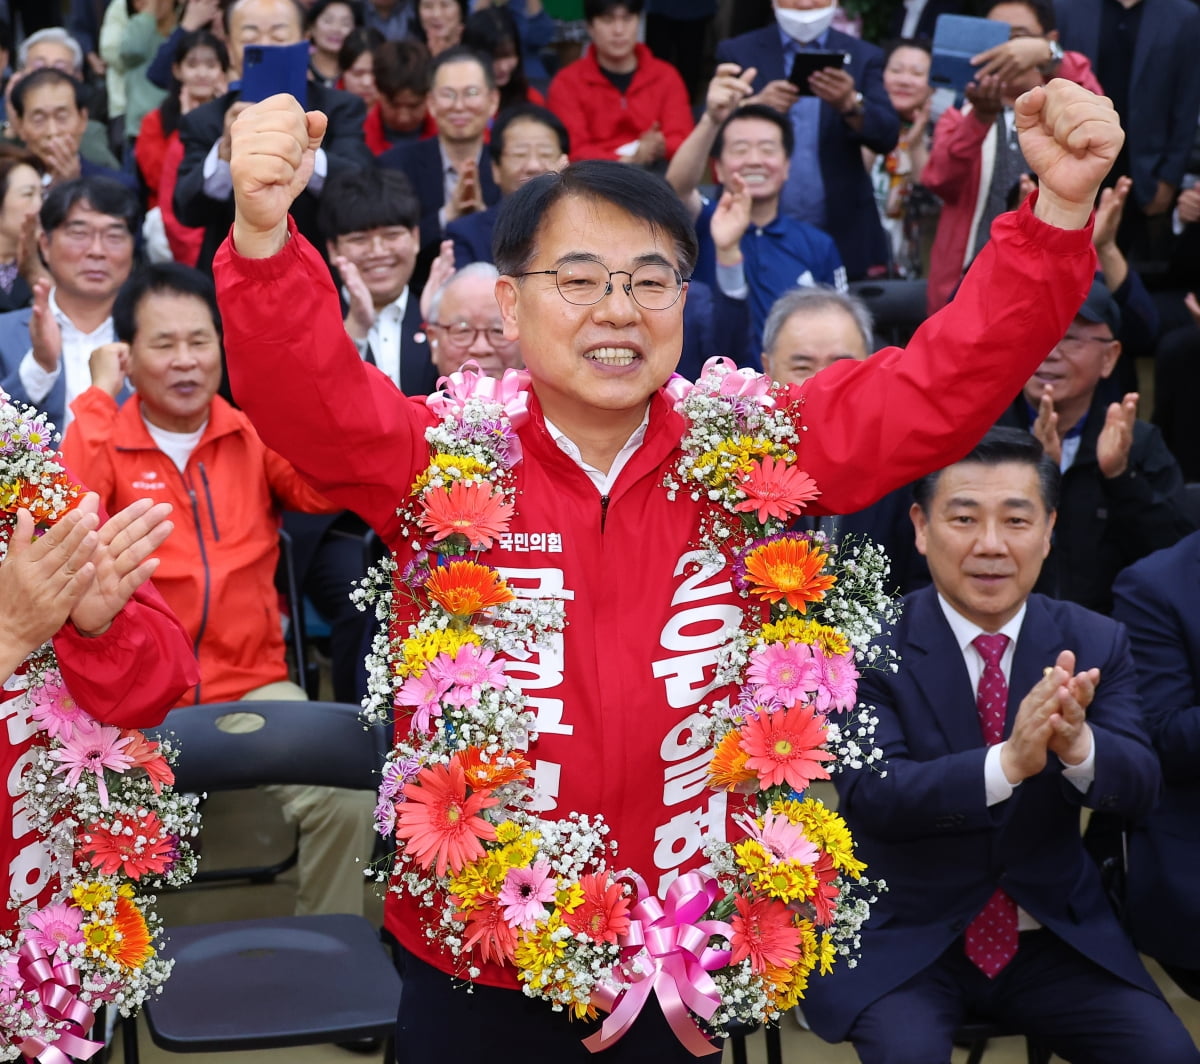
(1074, 344)
(652, 286)
(462, 334)
(112, 238)
(471, 94)
(362, 239)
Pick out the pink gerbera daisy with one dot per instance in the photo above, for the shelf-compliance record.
(525, 893)
(471, 510)
(467, 674)
(786, 747)
(775, 489)
(784, 672)
(147, 756)
(92, 748)
(56, 711)
(424, 693)
(837, 680)
(782, 839)
(55, 925)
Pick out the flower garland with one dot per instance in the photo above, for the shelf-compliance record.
(100, 799)
(735, 942)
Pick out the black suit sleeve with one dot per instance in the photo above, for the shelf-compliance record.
(199, 131)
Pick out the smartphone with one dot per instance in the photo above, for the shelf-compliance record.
(807, 63)
(955, 39)
(268, 69)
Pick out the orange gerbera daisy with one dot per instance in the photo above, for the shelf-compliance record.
(603, 915)
(763, 931)
(439, 820)
(727, 770)
(788, 569)
(147, 756)
(471, 510)
(785, 747)
(500, 769)
(133, 948)
(465, 588)
(775, 489)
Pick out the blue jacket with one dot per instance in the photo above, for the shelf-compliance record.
(1158, 599)
(925, 826)
(851, 217)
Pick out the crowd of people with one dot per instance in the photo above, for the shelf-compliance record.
(126, 166)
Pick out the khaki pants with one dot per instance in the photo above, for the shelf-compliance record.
(336, 826)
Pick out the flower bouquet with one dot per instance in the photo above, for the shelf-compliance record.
(731, 943)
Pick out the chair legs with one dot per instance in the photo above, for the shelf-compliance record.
(129, 1040)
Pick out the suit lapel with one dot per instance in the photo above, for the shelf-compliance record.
(1147, 45)
(1038, 645)
(936, 665)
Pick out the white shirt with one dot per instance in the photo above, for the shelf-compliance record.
(177, 446)
(218, 181)
(385, 336)
(913, 10)
(77, 348)
(449, 184)
(603, 481)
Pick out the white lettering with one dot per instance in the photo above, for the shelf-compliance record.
(686, 780)
(549, 716)
(547, 776)
(682, 836)
(29, 872)
(19, 714)
(693, 589)
(689, 677)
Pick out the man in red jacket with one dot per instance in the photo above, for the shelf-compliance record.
(618, 101)
(614, 693)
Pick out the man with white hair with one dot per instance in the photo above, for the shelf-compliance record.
(464, 324)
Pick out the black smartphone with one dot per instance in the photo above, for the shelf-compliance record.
(268, 69)
(807, 63)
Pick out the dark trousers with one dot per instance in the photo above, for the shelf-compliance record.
(440, 1020)
(1082, 1012)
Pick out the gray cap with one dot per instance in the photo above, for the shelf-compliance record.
(1101, 308)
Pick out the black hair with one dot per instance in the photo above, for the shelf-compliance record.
(629, 188)
(230, 6)
(12, 156)
(6, 37)
(461, 54)
(418, 31)
(353, 201)
(171, 278)
(1043, 11)
(403, 65)
(767, 114)
(527, 112)
(596, 8)
(318, 7)
(46, 76)
(189, 42)
(102, 194)
(493, 32)
(359, 40)
(919, 43)
(1000, 445)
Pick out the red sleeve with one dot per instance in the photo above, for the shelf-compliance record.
(185, 240)
(1076, 67)
(955, 152)
(676, 115)
(150, 149)
(296, 373)
(565, 100)
(871, 427)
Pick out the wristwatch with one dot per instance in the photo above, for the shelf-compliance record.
(857, 109)
(1056, 57)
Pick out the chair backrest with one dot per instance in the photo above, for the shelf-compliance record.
(897, 307)
(320, 743)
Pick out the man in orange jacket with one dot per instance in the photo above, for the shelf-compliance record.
(176, 440)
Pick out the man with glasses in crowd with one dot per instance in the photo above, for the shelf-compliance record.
(464, 323)
(87, 245)
(593, 262)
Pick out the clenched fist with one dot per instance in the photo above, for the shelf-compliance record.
(273, 146)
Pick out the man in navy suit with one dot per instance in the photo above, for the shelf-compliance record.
(1009, 713)
(451, 173)
(841, 112)
(1158, 599)
(88, 228)
(369, 220)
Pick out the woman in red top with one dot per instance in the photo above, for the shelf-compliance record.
(197, 76)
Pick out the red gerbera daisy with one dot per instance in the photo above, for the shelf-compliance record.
(471, 510)
(603, 915)
(133, 847)
(439, 820)
(487, 929)
(763, 931)
(785, 747)
(775, 489)
(146, 755)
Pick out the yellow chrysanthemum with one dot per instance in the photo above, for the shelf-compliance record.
(786, 880)
(507, 832)
(726, 462)
(831, 641)
(454, 466)
(99, 937)
(750, 856)
(568, 897)
(468, 884)
(789, 629)
(90, 896)
(419, 650)
(540, 951)
(582, 1010)
(785, 986)
(826, 954)
(826, 830)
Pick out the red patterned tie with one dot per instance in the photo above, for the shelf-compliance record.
(991, 938)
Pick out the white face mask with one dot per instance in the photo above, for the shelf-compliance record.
(805, 26)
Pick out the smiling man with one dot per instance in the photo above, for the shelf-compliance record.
(1122, 493)
(593, 264)
(1009, 713)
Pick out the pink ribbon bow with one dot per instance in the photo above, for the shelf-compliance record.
(666, 951)
(57, 987)
(511, 391)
